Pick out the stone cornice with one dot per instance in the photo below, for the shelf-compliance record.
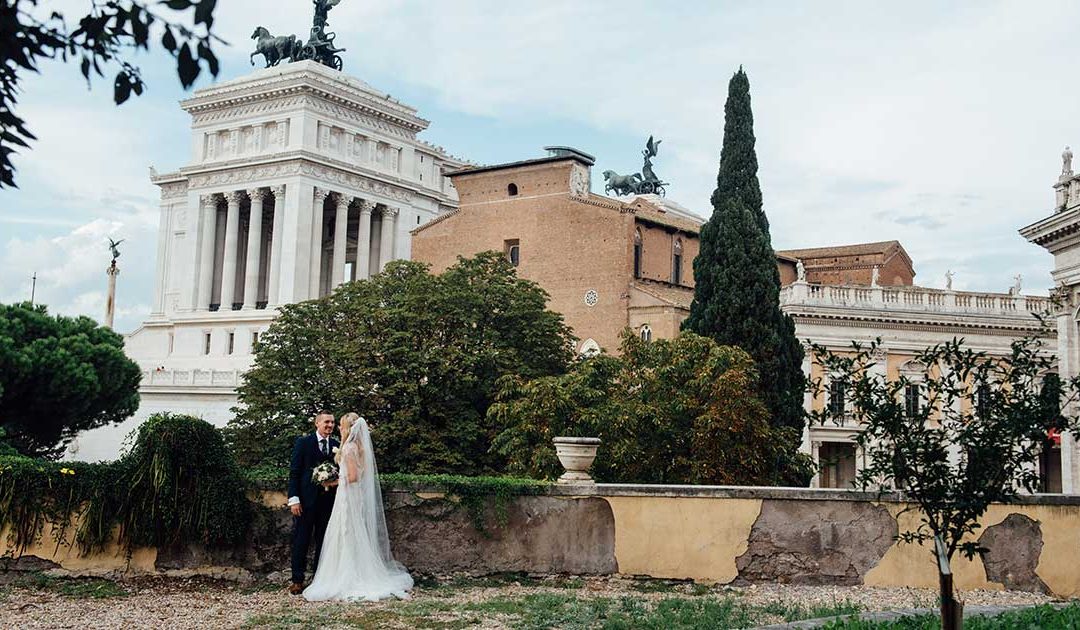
(304, 79)
(438, 219)
(605, 202)
(173, 190)
(242, 172)
(1053, 229)
(914, 322)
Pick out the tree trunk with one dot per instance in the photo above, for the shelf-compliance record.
(952, 611)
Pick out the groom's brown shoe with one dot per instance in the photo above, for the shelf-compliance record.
(296, 588)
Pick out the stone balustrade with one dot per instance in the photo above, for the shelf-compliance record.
(191, 378)
(912, 299)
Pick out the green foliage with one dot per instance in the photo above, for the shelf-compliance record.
(1042, 617)
(109, 34)
(737, 284)
(58, 376)
(544, 610)
(34, 492)
(669, 411)
(77, 588)
(416, 354)
(6, 449)
(177, 485)
(181, 485)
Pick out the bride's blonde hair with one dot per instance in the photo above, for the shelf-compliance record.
(346, 423)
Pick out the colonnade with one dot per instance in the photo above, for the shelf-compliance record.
(231, 279)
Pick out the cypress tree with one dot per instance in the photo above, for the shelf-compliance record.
(737, 284)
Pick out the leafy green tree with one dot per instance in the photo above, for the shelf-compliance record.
(58, 376)
(110, 33)
(737, 284)
(416, 354)
(671, 411)
(964, 435)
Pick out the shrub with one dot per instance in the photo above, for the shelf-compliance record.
(183, 485)
(669, 411)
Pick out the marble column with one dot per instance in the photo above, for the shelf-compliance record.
(314, 284)
(208, 229)
(254, 248)
(386, 237)
(363, 241)
(341, 228)
(273, 291)
(228, 265)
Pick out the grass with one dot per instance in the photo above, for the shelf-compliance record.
(79, 588)
(1041, 617)
(563, 610)
(446, 586)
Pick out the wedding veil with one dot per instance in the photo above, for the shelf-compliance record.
(367, 494)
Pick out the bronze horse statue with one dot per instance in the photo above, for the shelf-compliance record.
(274, 49)
(621, 184)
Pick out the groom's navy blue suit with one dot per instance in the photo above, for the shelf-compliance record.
(315, 502)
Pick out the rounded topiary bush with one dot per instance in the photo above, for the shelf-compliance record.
(183, 486)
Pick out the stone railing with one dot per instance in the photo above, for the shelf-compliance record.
(191, 378)
(912, 299)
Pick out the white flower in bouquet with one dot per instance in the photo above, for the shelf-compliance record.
(324, 473)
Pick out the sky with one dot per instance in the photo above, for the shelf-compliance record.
(940, 125)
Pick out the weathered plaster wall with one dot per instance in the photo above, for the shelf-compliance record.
(710, 534)
(681, 537)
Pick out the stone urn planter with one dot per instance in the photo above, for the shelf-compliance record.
(576, 454)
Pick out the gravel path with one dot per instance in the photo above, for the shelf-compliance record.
(199, 604)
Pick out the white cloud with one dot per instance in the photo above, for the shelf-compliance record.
(937, 125)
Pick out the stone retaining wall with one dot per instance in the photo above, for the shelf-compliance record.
(711, 534)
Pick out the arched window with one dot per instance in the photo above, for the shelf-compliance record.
(676, 262)
(512, 190)
(590, 348)
(646, 333)
(637, 253)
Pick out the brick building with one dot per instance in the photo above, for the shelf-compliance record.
(607, 264)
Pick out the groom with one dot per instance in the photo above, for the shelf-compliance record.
(310, 504)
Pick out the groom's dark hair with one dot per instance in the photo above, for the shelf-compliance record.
(322, 412)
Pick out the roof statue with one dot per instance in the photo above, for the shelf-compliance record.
(319, 46)
(644, 183)
(114, 248)
(1066, 161)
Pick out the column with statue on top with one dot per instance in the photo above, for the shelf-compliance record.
(112, 272)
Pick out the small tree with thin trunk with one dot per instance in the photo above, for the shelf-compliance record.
(963, 434)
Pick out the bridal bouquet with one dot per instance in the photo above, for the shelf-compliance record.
(324, 473)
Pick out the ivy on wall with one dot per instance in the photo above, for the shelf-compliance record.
(177, 485)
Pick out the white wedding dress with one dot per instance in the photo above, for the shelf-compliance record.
(356, 563)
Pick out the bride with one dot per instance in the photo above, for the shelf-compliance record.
(355, 563)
